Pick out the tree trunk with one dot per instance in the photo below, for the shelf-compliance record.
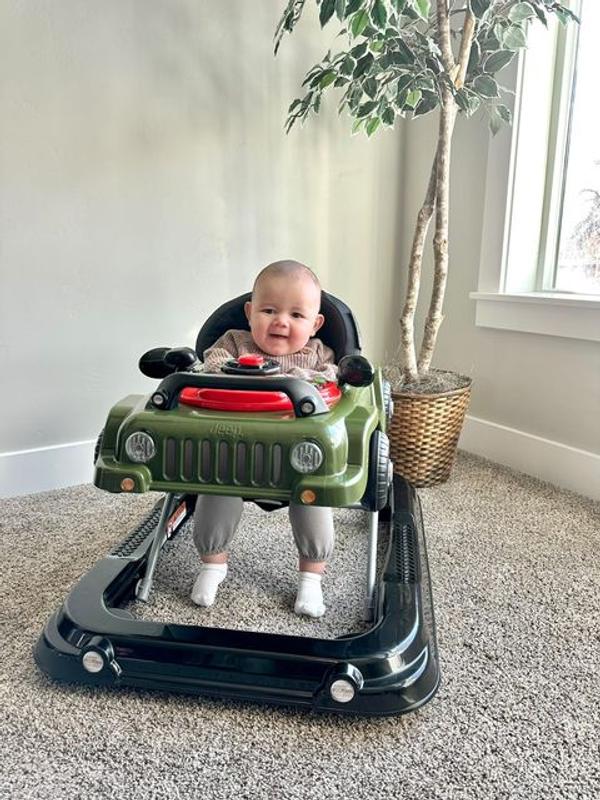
(438, 192)
(440, 239)
(408, 354)
(442, 186)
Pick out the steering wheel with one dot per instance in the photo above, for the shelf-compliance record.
(251, 364)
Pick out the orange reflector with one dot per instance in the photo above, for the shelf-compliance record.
(127, 484)
(308, 496)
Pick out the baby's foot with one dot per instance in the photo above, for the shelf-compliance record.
(206, 584)
(309, 599)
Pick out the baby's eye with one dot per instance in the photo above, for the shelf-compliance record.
(297, 315)
(268, 310)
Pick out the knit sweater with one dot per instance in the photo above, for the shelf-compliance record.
(315, 360)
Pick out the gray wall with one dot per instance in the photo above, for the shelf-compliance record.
(145, 177)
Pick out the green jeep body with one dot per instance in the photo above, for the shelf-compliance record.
(244, 454)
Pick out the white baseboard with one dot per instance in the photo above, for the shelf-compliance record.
(45, 468)
(564, 466)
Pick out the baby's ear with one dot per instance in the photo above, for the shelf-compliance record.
(320, 319)
(248, 309)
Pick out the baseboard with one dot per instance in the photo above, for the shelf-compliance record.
(564, 466)
(45, 468)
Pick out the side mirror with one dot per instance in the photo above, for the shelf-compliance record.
(181, 358)
(162, 361)
(356, 371)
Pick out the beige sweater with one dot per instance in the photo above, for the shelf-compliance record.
(314, 360)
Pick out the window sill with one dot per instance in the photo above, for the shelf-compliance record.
(567, 315)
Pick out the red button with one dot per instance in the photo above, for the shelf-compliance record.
(251, 360)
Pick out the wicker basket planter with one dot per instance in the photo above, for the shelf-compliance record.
(424, 434)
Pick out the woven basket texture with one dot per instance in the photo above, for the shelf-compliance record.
(424, 434)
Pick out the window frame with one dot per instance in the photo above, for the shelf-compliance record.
(515, 288)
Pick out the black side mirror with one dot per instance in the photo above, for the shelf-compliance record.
(162, 361)
(356, 371)
(181, 358)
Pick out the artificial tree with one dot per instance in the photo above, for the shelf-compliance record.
(407, 58)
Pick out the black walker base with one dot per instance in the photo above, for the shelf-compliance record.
(390, 669)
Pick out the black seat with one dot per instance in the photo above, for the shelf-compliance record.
(339, 331)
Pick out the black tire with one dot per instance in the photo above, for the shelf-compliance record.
(98, 445)
(376, 494)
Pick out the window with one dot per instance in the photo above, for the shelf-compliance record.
(541, 238)
(575, 263)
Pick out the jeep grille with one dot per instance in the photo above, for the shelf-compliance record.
(223, 462)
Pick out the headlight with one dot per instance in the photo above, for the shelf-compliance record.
(306, 457)
(140, 447)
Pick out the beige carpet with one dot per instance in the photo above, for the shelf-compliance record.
(516, 571)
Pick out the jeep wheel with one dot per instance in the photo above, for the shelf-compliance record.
(376, 494)
(98, 445)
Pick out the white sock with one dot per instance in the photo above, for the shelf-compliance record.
(206, 584)
(309, 599)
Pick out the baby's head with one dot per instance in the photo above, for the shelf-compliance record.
(284, 310)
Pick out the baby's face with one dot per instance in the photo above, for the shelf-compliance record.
(284, 313)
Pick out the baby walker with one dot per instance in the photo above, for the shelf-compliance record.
(252, 433)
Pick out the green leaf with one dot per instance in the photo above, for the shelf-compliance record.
(370, 86)
(413, 98)
(347, 66)
(474, 57)
(366, 109)
(340, 7)
(495, 122)
(404, 82)
(377, 45)
(379, 14)
(326, 11)
(372, 125)
(428, 102)
(359, 50)
(402, 55)
(327, 78)
(359, 23)
(541, 15)
(294, 105)
(497, 61)
(504, 113)
(521, 11)
(356, 126)
(352, 6)
(362, 66)
(486, 86)
(468, 101)
(514, 38)
(398, 5)
(423, 7)
(388, 117)
(479, 7)
(565, 15)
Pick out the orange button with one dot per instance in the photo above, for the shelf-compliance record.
(308, 496)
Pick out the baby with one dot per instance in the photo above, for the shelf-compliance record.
(283, 316)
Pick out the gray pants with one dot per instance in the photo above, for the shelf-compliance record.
(216, 519)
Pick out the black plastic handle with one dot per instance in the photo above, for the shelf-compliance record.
(305, 397)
